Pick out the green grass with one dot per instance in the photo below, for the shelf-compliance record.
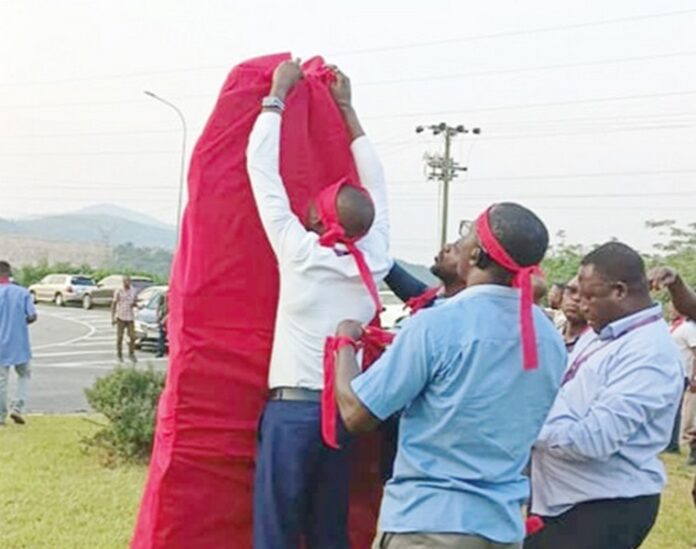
(53, 496)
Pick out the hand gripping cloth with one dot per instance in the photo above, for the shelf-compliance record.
(223, 298)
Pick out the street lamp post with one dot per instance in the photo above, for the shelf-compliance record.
(183, 158)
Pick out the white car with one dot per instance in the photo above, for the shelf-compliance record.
(61, 288)
(394, 309)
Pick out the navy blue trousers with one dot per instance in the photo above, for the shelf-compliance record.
(300, 485)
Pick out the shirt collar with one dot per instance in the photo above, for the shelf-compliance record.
(621, 326)
(486, 289)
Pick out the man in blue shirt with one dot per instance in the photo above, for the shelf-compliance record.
(470, 409)
(596, 472)
(16, 312)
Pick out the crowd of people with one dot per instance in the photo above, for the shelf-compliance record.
(499, 407)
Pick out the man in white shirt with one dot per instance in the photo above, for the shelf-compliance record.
(301, 485)
(684, 335)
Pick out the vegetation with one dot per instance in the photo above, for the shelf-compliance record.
(55, 496)
(127, 398)
(676, 248)
(30, 274)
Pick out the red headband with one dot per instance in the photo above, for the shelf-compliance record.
(335, 233)
(522, 279)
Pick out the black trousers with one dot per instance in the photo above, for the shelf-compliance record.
(600, 524)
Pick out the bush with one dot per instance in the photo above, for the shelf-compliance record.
(128, 398)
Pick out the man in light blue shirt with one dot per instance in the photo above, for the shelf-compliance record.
(16, 312)
(596, 474)
(471, 411)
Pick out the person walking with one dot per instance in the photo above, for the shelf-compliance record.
(162, 316)
(123, 317)
(17, 311)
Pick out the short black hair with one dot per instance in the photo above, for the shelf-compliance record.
(5, 269)
(520, 231)
(618, 262)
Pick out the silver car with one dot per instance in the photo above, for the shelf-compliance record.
(61, 288)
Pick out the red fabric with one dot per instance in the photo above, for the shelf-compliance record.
(533, 525)
(327, 207)
(223, 296)
(675, 323)
(5, 280)
(374, 338)
(424, 300)
(522, 279)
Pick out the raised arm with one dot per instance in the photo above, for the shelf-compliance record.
(683, 297)
(283, 229)
(366, 160)
(404, 284)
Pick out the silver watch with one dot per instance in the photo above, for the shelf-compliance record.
(273, 102)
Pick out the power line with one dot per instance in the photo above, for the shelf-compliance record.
(361, 51)
(525, 69)
(534, 105)
(506, 34)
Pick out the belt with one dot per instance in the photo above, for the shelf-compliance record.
(295, 394)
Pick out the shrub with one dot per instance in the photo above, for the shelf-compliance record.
(128, 398)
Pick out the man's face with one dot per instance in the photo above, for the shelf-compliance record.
(600, 299)
(126, 282)
(555, 297)
(465, 253)
(446, 262)
(570, 302)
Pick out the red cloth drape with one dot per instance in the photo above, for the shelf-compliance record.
(223, 297)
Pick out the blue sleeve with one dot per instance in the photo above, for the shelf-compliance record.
(400, 375)
(634, 393)
(29, 308)
(403, 283)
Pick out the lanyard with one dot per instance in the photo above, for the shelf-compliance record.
(586, 354)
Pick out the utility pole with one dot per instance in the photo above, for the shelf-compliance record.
(443, 168)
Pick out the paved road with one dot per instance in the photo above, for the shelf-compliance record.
(72, 347)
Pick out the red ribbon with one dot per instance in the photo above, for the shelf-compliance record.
(373, 338)
(676, 323)
(334, 234)
(4, 280)
(533, 525)
(522, 279)
(424, 300)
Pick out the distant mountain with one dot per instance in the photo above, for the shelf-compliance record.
(117, 211)
(106, 224)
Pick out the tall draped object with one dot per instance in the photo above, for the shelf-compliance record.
(223, 297)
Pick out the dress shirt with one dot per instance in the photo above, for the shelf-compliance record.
(612, 419)
(319, 286)
(470, 414)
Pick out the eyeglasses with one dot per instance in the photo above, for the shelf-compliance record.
(465, 227)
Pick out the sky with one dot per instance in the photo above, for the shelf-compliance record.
(587, 109)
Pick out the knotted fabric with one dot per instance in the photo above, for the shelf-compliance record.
(327, 208)
(372, 337)
(424, 300)
(522, 279)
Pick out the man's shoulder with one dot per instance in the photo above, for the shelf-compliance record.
(14, 289)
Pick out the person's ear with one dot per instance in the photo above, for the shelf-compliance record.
(621, 290)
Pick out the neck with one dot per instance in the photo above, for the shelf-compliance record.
(4, 279)
(478, 277)
(633, 306)
(574, 329)
(453, 288)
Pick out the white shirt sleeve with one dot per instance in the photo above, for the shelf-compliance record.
(287, 236)
(372, 177)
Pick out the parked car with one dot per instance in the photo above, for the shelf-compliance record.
(103, 292)
(61, 288)
(145, 295)
(394, 309)
(146, 325)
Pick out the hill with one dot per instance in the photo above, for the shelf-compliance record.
(107, 225)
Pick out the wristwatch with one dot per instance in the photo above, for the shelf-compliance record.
(273, 102)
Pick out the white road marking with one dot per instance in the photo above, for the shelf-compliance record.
(91, 330)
